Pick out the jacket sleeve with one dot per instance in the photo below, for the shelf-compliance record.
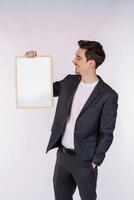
(57, 86)
(107, 126)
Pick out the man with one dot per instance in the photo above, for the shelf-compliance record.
(83, 125)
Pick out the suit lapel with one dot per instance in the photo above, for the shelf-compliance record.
(96, 91)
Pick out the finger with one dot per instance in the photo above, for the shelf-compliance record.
(35, 53)
(31, 54)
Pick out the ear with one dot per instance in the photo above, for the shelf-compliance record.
(91, 63)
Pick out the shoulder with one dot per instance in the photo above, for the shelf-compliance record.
(72, 77)
(106, 88)
(109, 91)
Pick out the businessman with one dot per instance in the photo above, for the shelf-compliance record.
(83, 125)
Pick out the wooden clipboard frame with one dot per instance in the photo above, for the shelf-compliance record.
(19, 76)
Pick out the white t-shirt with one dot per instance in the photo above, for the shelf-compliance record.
(81, 95)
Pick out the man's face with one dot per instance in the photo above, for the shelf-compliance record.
(80, 62)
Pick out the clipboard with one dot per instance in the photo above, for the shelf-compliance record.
(34, 85)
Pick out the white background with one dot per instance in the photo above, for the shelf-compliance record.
(54, 27)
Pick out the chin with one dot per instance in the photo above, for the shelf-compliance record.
(77, 73)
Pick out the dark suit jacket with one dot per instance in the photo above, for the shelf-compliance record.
(93, 132)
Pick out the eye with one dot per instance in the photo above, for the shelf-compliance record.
(78, 58)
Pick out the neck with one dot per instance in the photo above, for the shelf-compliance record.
(89, 78)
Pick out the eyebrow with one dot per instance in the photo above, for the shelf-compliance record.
(77, 56)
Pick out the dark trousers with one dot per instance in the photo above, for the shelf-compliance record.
(70, 172)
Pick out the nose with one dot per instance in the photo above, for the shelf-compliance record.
(74, 61)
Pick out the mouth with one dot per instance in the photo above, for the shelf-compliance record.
(76, 70)
(76, 67)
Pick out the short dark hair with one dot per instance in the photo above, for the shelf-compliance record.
(94, 51)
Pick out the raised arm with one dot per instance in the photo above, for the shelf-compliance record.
(56, 88)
